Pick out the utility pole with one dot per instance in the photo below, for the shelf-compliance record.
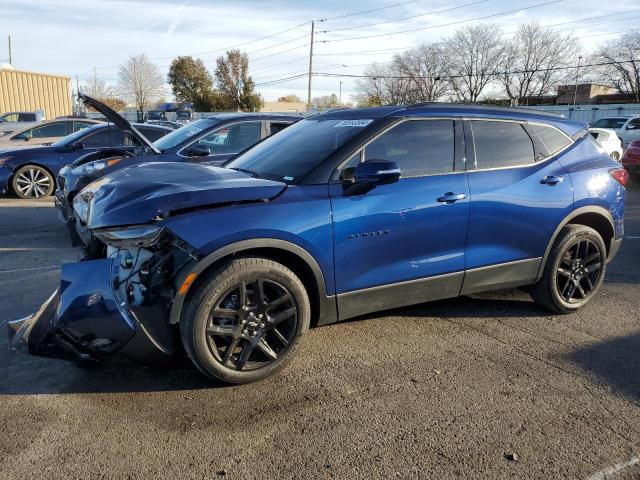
(10, 56)
(310, 66)
(575, 92)
(340, 97)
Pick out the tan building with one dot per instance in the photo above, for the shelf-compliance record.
(29, 91)
(284, 107)
(585, 94)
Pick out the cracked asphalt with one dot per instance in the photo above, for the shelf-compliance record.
(482, 387)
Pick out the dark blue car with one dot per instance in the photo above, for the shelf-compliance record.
(339, 215)
(30, 172)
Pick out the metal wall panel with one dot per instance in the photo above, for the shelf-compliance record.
(29, 91)
(590, 113)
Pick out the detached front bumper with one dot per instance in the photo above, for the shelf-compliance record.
(84, 320)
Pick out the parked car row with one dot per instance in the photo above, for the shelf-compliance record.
(227, 242)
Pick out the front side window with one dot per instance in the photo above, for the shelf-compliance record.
(232, 138)
(275, 127)
(57, 129)
(152, 134)
(501, 144)
(419, 147)
(552, 139)
(12, 117)
(77, 126)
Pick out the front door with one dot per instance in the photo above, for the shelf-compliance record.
(403, 243)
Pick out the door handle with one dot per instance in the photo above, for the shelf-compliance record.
(451, 197)
(551, 180)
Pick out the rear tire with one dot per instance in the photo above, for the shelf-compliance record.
(245, 319)
(574, 270)
(615, 156)
(32, 181)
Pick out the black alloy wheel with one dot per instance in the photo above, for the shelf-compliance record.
(244, 319)
(252, 325)
(579, 270)
(573, 272)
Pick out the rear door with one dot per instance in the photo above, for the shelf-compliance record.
(519, 194)
(402, 243)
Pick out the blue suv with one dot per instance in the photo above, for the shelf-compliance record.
(339, 215)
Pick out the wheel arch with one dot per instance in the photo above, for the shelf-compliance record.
(595, 217)
(294, 257)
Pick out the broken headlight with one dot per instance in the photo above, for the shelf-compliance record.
(137, 236)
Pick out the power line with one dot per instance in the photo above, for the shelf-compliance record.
(366, 11)
(449, 77)
(278, 44)
(406, 18)
(445, 24)
(223, 49)
(283, 51)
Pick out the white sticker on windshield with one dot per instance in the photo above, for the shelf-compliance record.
(354, 123)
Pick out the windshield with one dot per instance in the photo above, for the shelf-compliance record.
(298, 149)
(182, 134)
(76, 136)
(609, 123)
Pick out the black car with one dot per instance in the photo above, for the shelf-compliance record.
(213, 140)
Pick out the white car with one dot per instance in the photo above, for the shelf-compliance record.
(12, 121)
(608, 139)
(626, 127)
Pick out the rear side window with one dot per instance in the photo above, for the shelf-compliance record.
(419, 147)
(27, 117)
(501, 144)
(554, 140)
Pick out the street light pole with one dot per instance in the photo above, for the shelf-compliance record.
(575, 91)
(340, 96)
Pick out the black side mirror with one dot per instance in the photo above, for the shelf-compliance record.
(197, 150)
(77, 146)
(368, 175)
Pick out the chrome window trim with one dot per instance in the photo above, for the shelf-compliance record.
(211, 131)
(361, 148)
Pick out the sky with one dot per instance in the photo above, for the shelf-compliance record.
(72, 37)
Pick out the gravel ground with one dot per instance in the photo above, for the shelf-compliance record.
(487, 386)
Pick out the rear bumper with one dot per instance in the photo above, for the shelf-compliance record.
(632, 168)
(84, 320)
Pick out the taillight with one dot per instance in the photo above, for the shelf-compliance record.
(621, 175)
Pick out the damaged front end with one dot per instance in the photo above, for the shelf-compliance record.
(119, 304)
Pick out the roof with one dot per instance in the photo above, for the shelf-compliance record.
(455, 109)
(223, 116)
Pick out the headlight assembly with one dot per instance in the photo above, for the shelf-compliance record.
(137, 236)
(95, 166)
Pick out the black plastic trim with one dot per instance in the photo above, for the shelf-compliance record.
(566, 221)
(503, 275)
(384, 297)
(328, 311)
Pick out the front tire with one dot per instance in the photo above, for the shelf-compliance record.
(574, 270)
(615, 156)
(245, 320)
(32, 181)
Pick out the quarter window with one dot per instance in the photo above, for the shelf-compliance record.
(419, 147)
(553, 140)
(501, 144)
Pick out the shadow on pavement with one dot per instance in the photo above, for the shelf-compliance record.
(614, 362)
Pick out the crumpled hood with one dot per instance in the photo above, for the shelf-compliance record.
(148, 191)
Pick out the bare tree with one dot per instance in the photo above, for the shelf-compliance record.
(382, 86)
(532, 57)
(427, 67)
(475, 55)
(139, 81)
(96, 88)
(623, 55)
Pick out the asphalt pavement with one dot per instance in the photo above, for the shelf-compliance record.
(482, 387)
